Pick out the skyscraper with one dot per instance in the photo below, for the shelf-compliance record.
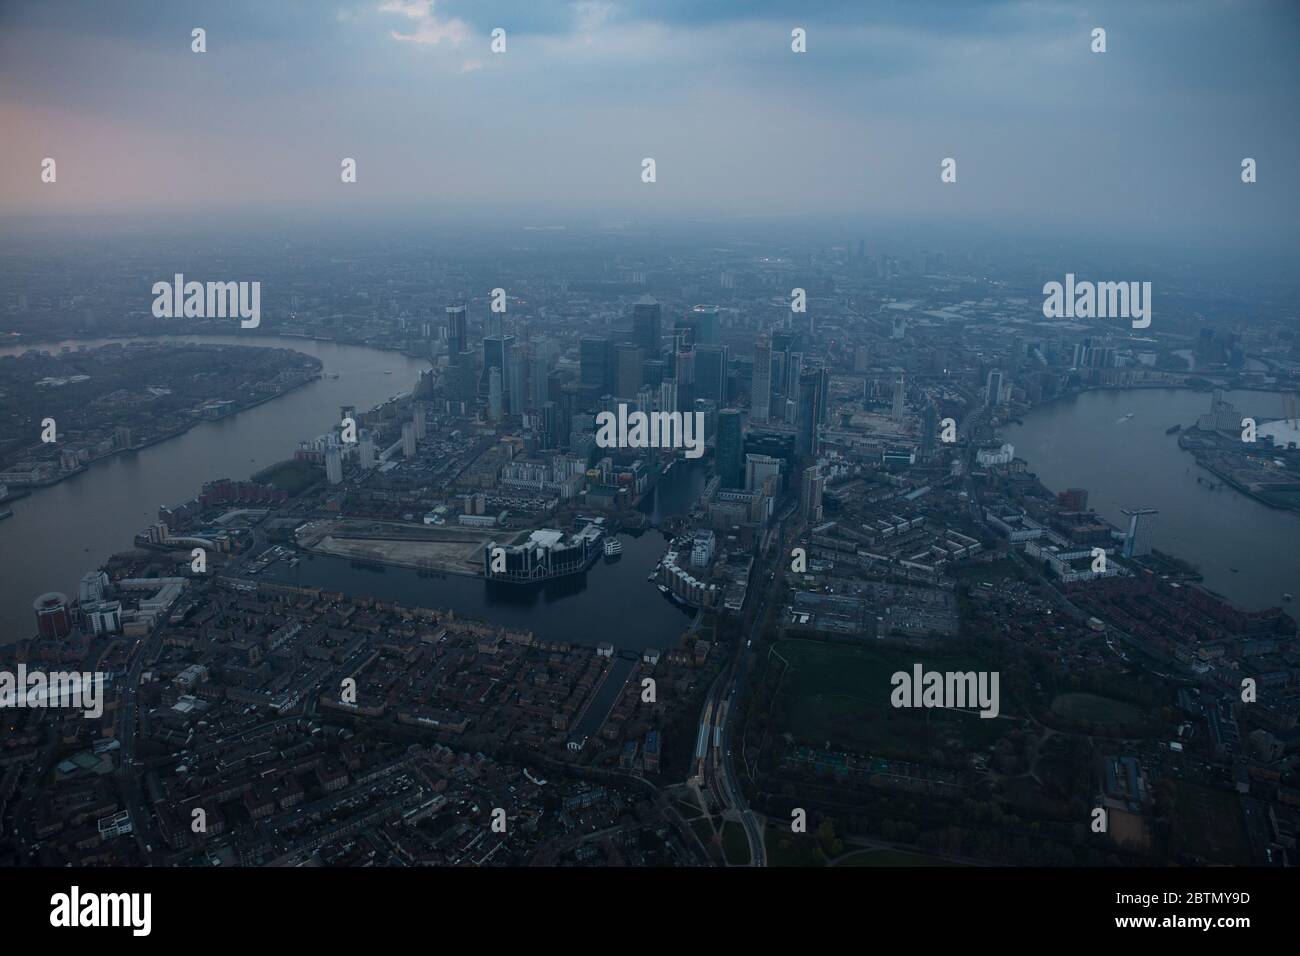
(811, 391)
(408, 439)
(1141, 524)
(496, 395)
(647, 322)
(367, 449)
(627, 370)
(333, 465)
(758, 468)
(596, 363)
(457, 332)
(703, 321)
(711, 373)
(730, 449)
(760, 399)
(993, 391)
(498, 353)
(900, 401)
(810, 498)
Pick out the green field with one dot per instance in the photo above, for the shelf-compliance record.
(791, 849)
(735, 845)
(292, 476)
(703, 829)
(994, 572)
(688, 809)
(889, 858)
(1210, 824)
(1097, 710)
(840, 694)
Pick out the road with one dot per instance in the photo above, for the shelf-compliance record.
(715, 763)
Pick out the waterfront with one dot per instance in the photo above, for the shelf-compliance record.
(1245, 549)
(586, 608)
(58, 533)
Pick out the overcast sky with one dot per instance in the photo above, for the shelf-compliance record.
(1146, 138)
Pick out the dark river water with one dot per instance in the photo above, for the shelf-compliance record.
(60, 532)
(1081, 442)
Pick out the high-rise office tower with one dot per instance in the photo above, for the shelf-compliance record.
(457, 332)
(730, 449)
(545, 354)
(645, 398)
(498, 353)
(929, 427)
(810, 498)
(463, 376)
(760, 399)
(516, 386)
(367, 448)
(596, 363)
(993, 391)
(810, 413)
(647, 321)
(652, 372)
(627, 370)
(417, 416)
(758, 468)
(496, 395)
(334, 465)
(408, 439)
(711, 373)
(668, 395)
(900, 402)
(550, 430)
(1141, 524)
(703, 320)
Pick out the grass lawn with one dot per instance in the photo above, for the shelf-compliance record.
(735, 845)
(1210, 824)
(1097, 710)
(840, 693)
(291, 476)
(791, 849)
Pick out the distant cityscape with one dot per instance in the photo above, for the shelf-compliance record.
(631, 434)
(860, 507)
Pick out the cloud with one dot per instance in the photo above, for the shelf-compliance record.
(429, 29)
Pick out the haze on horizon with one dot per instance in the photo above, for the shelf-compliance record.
(1143, 141)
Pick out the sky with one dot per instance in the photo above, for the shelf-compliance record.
(1145, 139)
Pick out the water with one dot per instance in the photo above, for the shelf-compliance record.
(612, 602)
(1078, 442)
(60, 532)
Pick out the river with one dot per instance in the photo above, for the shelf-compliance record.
(1081, 442)
(60, 532)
